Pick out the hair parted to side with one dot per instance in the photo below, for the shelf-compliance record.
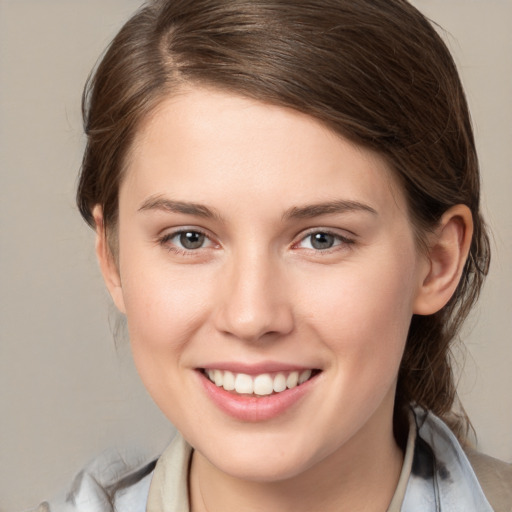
(375, 71)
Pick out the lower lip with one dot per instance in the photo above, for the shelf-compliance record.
(252, 408)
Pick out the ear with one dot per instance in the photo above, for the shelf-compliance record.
(447, 253)
(109, 267)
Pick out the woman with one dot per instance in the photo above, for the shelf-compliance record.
(286, 202)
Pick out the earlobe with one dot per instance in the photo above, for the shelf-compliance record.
(109, 267)
(448, 250)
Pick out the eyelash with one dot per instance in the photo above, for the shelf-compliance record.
(172, 247)
(343, 241)
(165, 240)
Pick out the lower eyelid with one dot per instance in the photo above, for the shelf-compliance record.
(166, 239)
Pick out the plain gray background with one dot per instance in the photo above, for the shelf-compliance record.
(66, 394)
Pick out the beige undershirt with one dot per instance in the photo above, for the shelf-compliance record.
(398, 497)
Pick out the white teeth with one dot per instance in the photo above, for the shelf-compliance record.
(304, 376)
(292, 380)
(279, 383)
(244, 384)
(229, 381)
(218, 378)
(263, 384)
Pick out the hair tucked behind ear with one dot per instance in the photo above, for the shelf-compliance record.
(375, 71)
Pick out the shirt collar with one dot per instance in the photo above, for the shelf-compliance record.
(436, 475)
(441, 479)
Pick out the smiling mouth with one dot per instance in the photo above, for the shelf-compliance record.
(263, 384)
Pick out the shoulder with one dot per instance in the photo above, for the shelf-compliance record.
(111, 482)
(495, 478)
(458, 478)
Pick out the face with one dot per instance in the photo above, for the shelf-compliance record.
(269, 272)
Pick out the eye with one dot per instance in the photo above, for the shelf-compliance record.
(191, 239)
(323, 240)
(186, 240)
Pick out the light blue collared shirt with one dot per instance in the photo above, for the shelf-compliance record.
(436, 477)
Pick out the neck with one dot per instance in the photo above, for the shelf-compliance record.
(360, 476)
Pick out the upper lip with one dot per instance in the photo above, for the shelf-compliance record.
(256, 368)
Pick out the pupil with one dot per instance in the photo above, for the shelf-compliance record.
(322, 241)
(191, 240)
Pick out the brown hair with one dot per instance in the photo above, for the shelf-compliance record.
(375, 71)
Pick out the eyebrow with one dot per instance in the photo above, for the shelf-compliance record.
(296, 212)
(187, 208)
(329, 208)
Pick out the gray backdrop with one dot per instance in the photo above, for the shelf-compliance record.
(66, 394)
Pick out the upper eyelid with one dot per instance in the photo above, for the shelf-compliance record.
(343, 241)
(176, 231)
(167, 236)
(171, 232)
(330, 231)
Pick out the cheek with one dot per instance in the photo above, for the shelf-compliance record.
(363, 312)
(164, 308)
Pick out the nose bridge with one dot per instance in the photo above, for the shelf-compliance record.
(254, 301)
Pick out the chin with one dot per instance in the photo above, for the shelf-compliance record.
(259, 461)
(268, 470)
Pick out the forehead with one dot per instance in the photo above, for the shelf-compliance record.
(209, 145)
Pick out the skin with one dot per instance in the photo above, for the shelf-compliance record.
(257, 291)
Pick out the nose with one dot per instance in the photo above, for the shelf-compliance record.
(254, 303)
